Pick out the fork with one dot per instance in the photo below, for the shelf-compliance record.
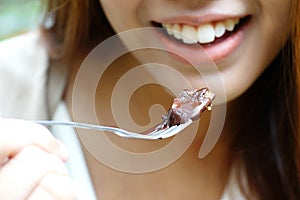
(153, 135)
(186, 108)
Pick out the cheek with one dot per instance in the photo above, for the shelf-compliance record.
(275, 19)
(272, 29)
(121, 13)
(269, 31)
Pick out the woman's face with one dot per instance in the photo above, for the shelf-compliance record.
(241, 36)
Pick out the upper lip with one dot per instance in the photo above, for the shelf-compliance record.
(198, 20)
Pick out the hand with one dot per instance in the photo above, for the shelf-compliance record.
(32, 163)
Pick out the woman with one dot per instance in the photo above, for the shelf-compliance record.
(258, 64)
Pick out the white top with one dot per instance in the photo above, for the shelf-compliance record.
(76, 163)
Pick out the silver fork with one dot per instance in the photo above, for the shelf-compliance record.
(153, 135)
(186, 108)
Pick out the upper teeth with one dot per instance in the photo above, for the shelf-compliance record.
(202, 34)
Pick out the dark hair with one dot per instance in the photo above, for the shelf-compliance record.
(267, 143)
(78, 24)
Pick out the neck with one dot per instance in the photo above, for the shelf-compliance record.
(185, 177)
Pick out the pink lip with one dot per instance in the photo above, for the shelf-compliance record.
(196, 21)
(199, 54)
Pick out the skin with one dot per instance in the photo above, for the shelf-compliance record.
(256, 51)
(33, 163)
(188, 176)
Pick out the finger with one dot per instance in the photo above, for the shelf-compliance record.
(54, 186)
(40, 194)
(16, 134)
(20, 175)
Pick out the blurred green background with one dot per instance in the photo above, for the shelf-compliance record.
(18, 16)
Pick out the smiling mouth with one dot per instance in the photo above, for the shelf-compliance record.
(205, 34)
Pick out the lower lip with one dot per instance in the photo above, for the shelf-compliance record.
(200, 54)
